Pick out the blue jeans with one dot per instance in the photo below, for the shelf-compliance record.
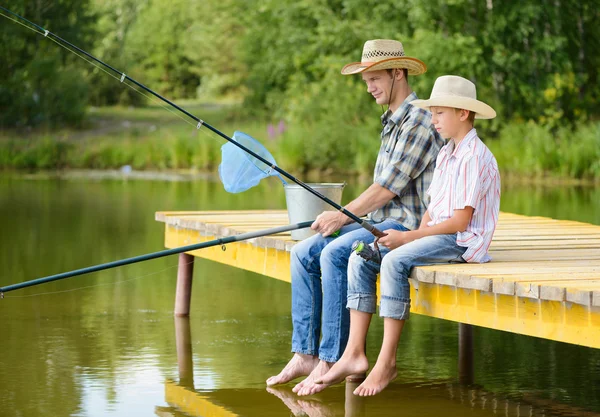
(319, 268)
(395, 269)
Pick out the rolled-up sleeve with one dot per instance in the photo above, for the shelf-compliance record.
(409, 160)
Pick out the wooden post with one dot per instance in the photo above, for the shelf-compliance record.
(465, 354)
(183, 342)
(183, 293)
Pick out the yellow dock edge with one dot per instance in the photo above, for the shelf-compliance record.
(555, 320)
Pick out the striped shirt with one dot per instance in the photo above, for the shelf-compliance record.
(467, 176)
(406, 162)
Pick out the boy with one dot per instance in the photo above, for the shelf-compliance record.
(457, 227)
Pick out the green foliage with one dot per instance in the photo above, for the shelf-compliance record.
(537, 61)
(116, 18)
(39, 81)
(536, 64)
(41, 153)
(532, 149)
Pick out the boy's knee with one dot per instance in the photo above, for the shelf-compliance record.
(393, 265)
(355, 265)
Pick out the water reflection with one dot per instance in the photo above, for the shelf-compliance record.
(352, 406)
(425, 397)
(106, 346)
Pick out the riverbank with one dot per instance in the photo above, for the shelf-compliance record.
(154, 140)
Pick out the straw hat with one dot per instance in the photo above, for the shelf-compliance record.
(456, 92)
(382, 54)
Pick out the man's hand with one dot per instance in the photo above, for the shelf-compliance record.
(396, 238)
(329, 222)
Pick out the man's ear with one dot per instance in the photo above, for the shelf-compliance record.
(398, 74)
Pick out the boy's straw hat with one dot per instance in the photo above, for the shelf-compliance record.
(456, 92)
(382, 54)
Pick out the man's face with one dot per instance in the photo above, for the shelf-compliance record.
(379, 84)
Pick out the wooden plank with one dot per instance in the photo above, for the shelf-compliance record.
(549, 244)
(557, 233)
(544, 254)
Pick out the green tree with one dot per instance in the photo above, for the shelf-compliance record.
(40, 83)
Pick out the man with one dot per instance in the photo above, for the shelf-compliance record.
(396, 200)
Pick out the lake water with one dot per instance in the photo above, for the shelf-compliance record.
(104, 344)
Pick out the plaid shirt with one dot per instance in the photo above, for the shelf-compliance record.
(406, 163)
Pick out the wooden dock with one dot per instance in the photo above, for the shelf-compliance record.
(544, 280)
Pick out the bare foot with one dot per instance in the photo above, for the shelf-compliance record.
(349, 364)
(317, 409)
(299, 365)
(288, 398)
(308, 386)
(378, 379)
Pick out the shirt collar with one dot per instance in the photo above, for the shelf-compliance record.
(399, 114)
(463, 147)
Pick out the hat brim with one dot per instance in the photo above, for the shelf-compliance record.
(413, 65)
(481, 110)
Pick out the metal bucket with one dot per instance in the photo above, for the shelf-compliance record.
(303, 206)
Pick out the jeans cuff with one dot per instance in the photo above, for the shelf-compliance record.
(304, 351)
(330, 359)
(362, 302)
(394, 308)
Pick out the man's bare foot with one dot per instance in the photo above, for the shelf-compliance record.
(299, 365)
(286, 395)
(308, 387)
(378, 379)
(317, 409)
(349, 364)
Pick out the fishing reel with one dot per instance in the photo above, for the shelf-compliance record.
(366, 252)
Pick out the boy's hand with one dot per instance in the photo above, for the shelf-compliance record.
(396, 238)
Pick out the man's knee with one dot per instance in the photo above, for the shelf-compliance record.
(304, 249)
(335, 252)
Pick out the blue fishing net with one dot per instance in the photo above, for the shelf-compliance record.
(239, 170)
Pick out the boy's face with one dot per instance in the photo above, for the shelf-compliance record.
(448, 121)
(379, 84)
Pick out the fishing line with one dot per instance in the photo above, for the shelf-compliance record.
(126, 82)
(200, 123)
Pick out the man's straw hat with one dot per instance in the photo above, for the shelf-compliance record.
(456, 92)
(382, 54)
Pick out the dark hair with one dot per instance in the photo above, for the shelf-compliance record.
(472, 117)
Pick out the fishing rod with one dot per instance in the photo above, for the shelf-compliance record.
(222, 241)
(201, 123)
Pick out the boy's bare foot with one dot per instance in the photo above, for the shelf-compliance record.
(378, 379)
(299, 365)
(349, 364)
(307, 387)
